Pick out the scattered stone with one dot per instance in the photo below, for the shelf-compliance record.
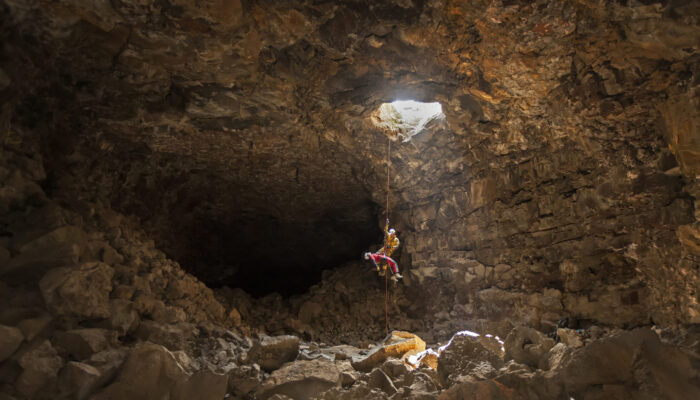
(10, 339)
(270, 352)
(526, 345)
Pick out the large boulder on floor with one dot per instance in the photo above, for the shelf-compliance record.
(637, 361)
(10, 339)
(81, 292)
(466, 358)
(40, 367)
(301, 380)
(78, 380)
(395, 345)
(270, 352)
(526, 345)
(151, 372)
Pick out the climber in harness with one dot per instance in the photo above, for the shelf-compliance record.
(382, 257)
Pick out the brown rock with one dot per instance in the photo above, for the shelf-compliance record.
(123, 316)
(77, 380)
(81, 292)
(270, 352)
(81, 344)
(152, 372)
(526, 345)
(465, 356)
(32, 327)
(301, 380)
(379, 380)
(40, 367)
(173, 337)
(244, 380)
(10, 339)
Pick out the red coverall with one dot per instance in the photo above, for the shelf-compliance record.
(378, 258)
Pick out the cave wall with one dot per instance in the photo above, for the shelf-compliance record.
(563, 180)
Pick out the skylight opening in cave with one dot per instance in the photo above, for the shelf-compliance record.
(406, 118)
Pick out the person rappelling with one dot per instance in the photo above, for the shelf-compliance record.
(382, 259)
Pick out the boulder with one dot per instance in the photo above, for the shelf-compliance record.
(395, 345)
(78, 380)
(173, 337)
(81, 292)
(526, 345)
(244, 380)
(379, 380)
(108, 363)
(31, 266)
(636, 359)
(270, 352)
(40, 366)
(301, 380)
(490, 389)
(464, 356)
(123, 316)
(32, 327)
(10, 339)
(83, 343)
(151, 372)
(570, 337)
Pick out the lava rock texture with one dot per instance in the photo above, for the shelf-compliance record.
(149, 148)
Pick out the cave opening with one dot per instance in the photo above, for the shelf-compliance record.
(406, 118)
(262, 253)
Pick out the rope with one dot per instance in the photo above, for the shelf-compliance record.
(386, 273)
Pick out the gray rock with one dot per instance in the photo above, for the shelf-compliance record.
(10, 339)
(270, 352)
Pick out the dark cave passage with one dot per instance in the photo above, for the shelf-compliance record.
(262, 254)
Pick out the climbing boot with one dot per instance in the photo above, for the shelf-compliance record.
(396, 277)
